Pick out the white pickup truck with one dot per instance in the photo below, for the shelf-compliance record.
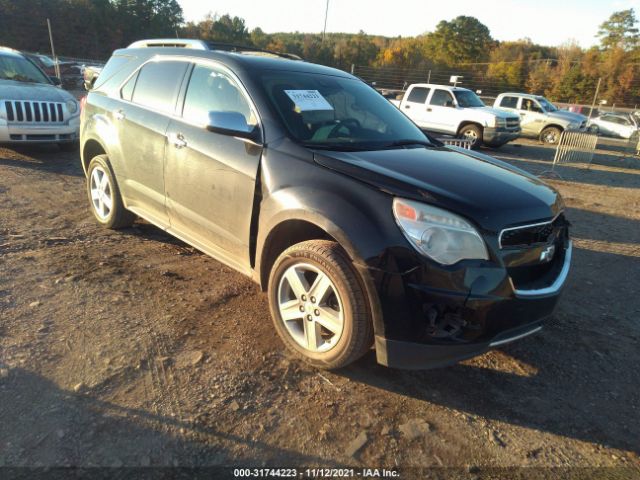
(460, 112)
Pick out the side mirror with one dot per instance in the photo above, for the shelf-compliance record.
(233, 124)
(56, 80)
(449, 103)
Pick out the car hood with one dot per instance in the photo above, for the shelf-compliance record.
(12, 90)
(498, 113)
(568, 116)
(490, 192)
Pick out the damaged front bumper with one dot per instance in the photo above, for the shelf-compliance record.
(473, 309)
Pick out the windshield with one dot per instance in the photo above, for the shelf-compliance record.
(468, 99)
(21, 70)
(546, 104)
(46, 61)
(335, 113)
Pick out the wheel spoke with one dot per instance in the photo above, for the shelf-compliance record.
(95, 194)
(297, 282)
(320, 287)
(95, 178)
(101, 208)
(330, 319)
(106, 200)
(290, 310)
(104, 182)
(311, 334)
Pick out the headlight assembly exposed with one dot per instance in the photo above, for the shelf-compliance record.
(72, 106)
(438, 234)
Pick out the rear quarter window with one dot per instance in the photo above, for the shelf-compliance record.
(114, 71)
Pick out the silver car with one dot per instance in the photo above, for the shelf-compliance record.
(32, 108)
(613, 124)
(539, 118)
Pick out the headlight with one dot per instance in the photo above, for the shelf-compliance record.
(72, 106)
(438, 234)
(501, 122)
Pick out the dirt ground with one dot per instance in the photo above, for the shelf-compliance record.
(131, 348)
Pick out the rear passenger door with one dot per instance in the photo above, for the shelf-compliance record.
(149, 99)
(415, 105)
(210, 178)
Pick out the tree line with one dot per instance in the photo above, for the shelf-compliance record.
(463, 45)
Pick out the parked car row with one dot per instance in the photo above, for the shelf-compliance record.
(460, 112)
(363, 231)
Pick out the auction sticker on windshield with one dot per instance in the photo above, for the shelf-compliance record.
(308, 100)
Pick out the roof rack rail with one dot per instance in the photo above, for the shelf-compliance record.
(206, 45)
(170, 42)
(232, 47)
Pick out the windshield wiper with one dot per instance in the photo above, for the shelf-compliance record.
(407, 142)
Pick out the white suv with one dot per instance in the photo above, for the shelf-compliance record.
(32, 108)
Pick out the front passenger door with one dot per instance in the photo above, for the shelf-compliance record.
(210, 178)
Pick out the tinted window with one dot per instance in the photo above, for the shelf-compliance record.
(419, 95)
(441, 98)
(212, 90)
(158, 84)
(127, 90)
(509, 102)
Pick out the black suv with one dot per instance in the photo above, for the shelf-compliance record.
(363, 230)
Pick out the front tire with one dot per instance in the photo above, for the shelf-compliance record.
(550, 135)
(473, 133)
(104, 196)
(318, 305)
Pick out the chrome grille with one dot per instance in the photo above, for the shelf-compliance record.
(27, 111)
(531, 235)
(513, 122)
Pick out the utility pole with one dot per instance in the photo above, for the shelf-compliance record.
(53, 50)
(595, 98)
(326, 13)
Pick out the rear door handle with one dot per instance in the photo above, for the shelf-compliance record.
(119, 115)
(428, 109)
(178, 140)
(407, 106)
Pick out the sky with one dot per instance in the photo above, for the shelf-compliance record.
(547, 22)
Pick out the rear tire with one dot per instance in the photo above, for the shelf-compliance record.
(104, 196)
(550, 135)
(332, 330)
(472, 132)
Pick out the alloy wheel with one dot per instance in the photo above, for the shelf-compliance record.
(101, 193)
(310, 307)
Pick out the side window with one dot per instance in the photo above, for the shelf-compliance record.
(126, 92)
(509, 102)
(530, 105)
(213, 90)
(418, 95)
(441, 98)
(158, 84)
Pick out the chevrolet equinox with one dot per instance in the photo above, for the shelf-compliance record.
(362, 230)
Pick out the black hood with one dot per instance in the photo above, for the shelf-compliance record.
(490, 192)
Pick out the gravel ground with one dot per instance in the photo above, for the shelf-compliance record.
(131, 348)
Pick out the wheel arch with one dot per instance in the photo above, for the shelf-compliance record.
(91, 148)
(465, 123)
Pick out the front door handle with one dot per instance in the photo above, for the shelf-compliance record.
(428, 109)
(178, 140)
(119, 115)
(407, 106)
